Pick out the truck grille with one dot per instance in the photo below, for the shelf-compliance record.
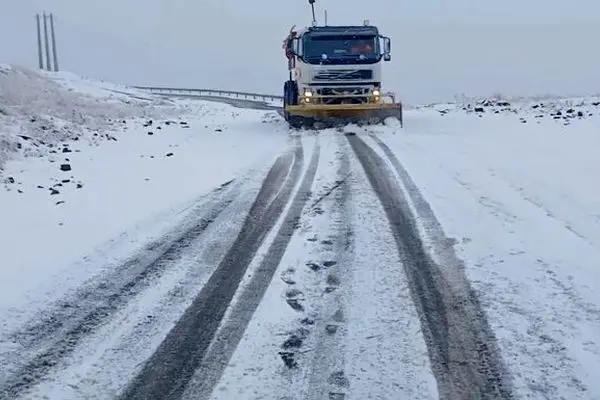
(341, 91)
(344, 75)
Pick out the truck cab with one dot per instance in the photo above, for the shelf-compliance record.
(336, 64)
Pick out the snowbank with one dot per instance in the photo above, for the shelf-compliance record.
(541, 108)
(41, 109)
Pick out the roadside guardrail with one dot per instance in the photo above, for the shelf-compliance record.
(210, 92)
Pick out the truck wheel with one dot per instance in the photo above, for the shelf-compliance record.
(290, 97)
(296, 122)
(290, 93)
(286, 115)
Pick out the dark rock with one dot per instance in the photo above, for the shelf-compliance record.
(65, 181)
(66, 150)
(60, 202)
(169, 154)
(218, 130)
(295, 304)
(313, 266)
(79, 186)
(150, 133)
(10, 179)
(331, 329)
(54, 192)
(65, 167)
(293, 293)
(328, 264)
(580, 114)
(307, 321)
(479, 109)
(288, 359)
(293, 341)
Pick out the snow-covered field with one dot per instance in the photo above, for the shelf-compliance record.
(133, 163)
(176, 248)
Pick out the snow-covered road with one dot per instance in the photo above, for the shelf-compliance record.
(215, 254)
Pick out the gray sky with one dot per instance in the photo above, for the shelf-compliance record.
(440, 48)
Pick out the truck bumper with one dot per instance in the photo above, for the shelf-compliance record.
(369, 113)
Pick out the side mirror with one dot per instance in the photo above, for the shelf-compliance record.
(297, 47)
(387, 45)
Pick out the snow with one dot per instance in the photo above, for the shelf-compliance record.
(42, 108)
(513, 183)
(125, 186)
(359, 296)
(517, 186)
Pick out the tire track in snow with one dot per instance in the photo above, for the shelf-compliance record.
(43, 344)
(462, 348)
(232, 329)
(167, 373)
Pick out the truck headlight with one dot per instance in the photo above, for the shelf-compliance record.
(308, 93)
(376, 92)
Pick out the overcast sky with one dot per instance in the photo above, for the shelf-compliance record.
(440, 48)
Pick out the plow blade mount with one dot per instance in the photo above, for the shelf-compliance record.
(340, 114)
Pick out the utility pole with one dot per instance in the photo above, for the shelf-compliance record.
(53, 37)
(49, 41)
(39, 42)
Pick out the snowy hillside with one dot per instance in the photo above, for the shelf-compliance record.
(40, 110)
(161, 248)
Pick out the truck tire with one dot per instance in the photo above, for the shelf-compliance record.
(290, 93)
(290, 97)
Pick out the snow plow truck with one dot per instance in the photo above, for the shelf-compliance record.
(335, 76)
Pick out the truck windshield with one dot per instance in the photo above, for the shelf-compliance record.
(341, 46)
